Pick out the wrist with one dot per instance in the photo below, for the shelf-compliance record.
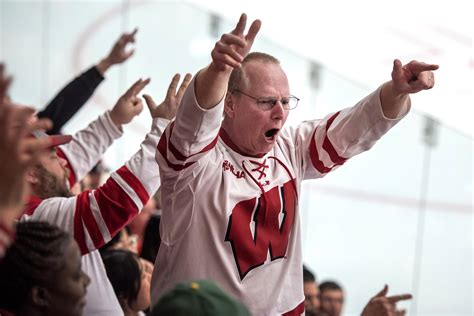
(115, 119)
(104, 65)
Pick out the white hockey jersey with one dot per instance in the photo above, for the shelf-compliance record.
(93, 217)
(233, 218)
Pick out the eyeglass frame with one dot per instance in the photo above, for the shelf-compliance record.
(266, 100)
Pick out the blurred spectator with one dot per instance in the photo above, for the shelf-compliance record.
(130, 277)
(138, 224)
(332, 298)
(198, 298)
(75, 94)
(311, 292)
(41, 273)
(151, 238)
(18, 152)
(122, 240)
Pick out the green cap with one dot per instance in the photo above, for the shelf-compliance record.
(198, 298)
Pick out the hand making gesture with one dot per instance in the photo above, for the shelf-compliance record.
(168, 108)
(129, 104)
(383, 305)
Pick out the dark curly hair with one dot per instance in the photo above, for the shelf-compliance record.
(31, 260)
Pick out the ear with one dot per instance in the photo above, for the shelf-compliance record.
(229, 105)
(31, 176)
(39, 296)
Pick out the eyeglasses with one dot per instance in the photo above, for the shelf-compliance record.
(288, 103)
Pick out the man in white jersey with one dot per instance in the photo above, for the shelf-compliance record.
(230, 187)
(94, 216)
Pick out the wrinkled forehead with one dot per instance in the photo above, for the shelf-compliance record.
(262, 77)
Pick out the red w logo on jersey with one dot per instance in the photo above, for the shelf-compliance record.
(268, 230)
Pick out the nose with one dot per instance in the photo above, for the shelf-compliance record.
(86, 279)
(278, 112)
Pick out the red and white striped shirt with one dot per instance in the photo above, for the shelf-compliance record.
(93, 217)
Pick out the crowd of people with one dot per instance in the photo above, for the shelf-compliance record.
(217, 162)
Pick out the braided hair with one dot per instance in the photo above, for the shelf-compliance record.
(31, 261)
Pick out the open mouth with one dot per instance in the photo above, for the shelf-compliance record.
(271, 133)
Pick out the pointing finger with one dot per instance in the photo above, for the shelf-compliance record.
(240, 27)
(397, 298)
(383, 292)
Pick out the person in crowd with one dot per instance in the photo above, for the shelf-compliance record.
(95, 216)
(76, 93)
(122, 240)
(198, 298)
(332, 298)
(137, 226)
(231, 173)
(41, 273)
(130, 277)
(151, 238)
(311, 292)
(18, 152)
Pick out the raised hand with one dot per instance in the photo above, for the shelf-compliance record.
(128, 105)
(232, 48)
(412, 77)
(118, 54)
(383, 305)
(168, 108)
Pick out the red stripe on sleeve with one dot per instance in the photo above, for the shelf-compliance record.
(297, 311)
(83, 211)
(134, 183)
(182, 157)
(162, 148)
(116, 207)
(329, 148)
(72, 174)
(313, 153)
(79, 231)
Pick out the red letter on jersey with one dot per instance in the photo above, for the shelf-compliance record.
(252, 237)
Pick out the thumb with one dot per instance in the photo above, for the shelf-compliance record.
(149, 102)
(383, 292)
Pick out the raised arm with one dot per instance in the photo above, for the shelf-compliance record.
(89, 144)
(228, 53)
(95, 216)
(77, 92)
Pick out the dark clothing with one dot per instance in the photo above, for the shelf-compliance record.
(71, 98)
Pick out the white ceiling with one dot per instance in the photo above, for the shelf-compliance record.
(360, 39)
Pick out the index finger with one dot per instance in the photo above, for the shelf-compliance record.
(418, 67)
(172, 87)
(184, 86)
(240, 27)
(397, 298)
(137, 87)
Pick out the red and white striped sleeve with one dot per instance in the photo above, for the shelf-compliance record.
(326, 144)
(193, 133)
(88, 145)
(95, 216)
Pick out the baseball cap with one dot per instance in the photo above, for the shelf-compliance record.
(55, 140)
(198, 298)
